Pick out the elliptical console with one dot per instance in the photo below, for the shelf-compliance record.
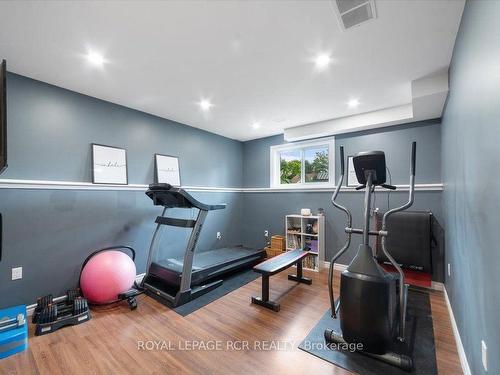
(372, 302)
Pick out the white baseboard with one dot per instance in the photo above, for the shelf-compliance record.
(339, 267)
(139, 277)
(458, 340)
(436, 286)
(30, 309)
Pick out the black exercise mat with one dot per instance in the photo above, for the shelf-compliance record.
(419, 332)
(231, 282)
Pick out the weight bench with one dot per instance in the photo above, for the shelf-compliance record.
(275, 265)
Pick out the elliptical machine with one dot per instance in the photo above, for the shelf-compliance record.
(372, 302)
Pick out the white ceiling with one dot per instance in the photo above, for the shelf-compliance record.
(252, 59)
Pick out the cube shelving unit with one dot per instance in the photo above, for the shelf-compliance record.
(300, 235)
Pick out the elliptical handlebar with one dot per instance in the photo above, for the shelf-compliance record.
(413, 158)
(348, 240)
(412, 187)
(342, 165)
(403, 288)
(339, 185)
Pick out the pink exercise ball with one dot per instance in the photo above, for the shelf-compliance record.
(106, 275)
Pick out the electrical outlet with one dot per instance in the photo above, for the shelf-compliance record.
(17, 273)
(219, 235)
(484, 355)
(266, 233)
(449, 269)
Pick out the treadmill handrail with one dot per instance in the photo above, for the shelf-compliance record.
(180, 198)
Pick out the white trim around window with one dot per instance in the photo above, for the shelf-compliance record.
(275, 177)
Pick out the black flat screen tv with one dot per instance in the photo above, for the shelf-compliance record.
(3, 129)
(3, 116)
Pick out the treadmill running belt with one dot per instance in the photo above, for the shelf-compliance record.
(175, 263)
(207, 264)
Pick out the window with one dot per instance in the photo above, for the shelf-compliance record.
(303, 164)
(290, 167)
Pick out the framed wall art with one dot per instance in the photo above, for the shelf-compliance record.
(167, 169)
(352, 179)
(109, 165)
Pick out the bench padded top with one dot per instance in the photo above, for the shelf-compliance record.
(280, 262)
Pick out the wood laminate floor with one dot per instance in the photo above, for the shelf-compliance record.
(119, 341)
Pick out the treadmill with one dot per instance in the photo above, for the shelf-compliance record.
(176, 281)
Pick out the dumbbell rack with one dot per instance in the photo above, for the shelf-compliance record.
(50, 316)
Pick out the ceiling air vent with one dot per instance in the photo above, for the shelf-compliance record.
(354, 12)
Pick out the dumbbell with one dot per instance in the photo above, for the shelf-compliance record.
(48, 314)
(12, 323)
(44, 301)
(41, 304)
(80, 305)
(72, 294)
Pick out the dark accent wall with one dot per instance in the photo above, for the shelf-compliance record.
(267, 210)
(50, 232)
(471, 200)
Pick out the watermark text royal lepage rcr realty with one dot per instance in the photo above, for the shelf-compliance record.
(240, 345)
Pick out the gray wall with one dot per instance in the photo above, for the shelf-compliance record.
(266, 211)
(395, 141)
(471, 204)
(51, 129)
(50, 232)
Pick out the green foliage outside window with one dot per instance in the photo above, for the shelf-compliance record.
(290, 171)
(315, 166)
(317, 170)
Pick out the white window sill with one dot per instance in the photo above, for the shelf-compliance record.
(304, 187)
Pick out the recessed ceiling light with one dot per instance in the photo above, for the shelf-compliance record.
(95, 58)
(205, 104)
(353, 103)
(256, 125)
(322, 60)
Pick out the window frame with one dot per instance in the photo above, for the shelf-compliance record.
(275, 170)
